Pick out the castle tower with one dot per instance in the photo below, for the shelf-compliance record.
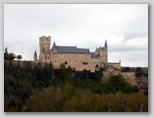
(54, 48)
(102, 53)
(35, 56)
(106, 51)
(105, 45)
(44, 46)
(120, 62)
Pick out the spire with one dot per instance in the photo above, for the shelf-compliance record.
(35, 54)
(54, 44)
(54, 47)
(120, 61)
(105, 44)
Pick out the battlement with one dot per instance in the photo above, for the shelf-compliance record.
(45, 40)
(42, 37)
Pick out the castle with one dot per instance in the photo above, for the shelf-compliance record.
(77, 58)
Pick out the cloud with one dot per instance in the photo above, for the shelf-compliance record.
(134, 35)
(132, 59)
(127, 49)
(125, 26)
(137, 43)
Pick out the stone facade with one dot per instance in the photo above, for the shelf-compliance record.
(77, 58)
(116, 65)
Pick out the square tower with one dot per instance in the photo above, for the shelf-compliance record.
(44, 45)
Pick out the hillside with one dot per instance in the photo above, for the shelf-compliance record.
(141, 74)
(36, 87)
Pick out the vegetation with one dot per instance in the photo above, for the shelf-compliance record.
(126, 69)
(47, 89)
(19, 57)
(39, 87)
(11, 56)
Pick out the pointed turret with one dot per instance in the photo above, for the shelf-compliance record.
(105, 45)
(120, 62)
(35, 56)
(54, 47)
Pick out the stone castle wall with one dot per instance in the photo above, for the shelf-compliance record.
(115, 65)
(77, 61)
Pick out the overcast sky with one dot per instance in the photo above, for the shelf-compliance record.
(124, 26)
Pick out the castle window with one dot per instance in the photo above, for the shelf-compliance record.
(85, 63)
(66, 62)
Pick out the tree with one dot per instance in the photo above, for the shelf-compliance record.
(62, 66)
(117, 83)
(11, 56)
(19, 57)
(126, 69)
(138, 69)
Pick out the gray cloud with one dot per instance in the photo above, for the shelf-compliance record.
(125, 26)
(127, 49)
(133, 35)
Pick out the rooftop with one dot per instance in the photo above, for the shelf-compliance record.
(70, 49)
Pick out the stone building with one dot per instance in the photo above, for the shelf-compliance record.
(77, 58)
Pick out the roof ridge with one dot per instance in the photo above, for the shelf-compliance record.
(66, 46)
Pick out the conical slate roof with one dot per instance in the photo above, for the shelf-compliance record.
(54, 47)
(35, 54)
